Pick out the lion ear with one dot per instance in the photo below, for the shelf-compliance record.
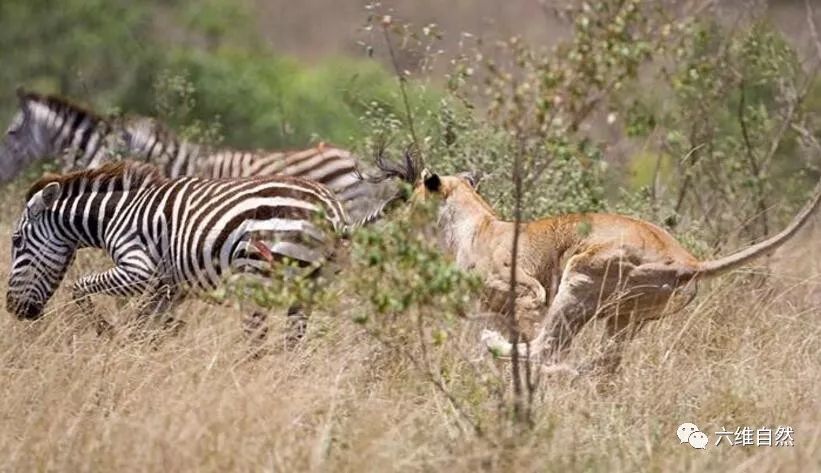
(472, 177)
(433, 183)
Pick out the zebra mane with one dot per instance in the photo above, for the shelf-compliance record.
(57, 103)
(407, 170)
(124, 175)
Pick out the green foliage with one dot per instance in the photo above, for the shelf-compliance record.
(733, 101)
(174, 104)
(400, 270)
(288, 285)
(708, 128)
(205, 75)
(513, 100)
(270, 101)
(82, 48)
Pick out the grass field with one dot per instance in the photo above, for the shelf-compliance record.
(740, 355)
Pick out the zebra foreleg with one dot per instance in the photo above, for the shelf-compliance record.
(117, 281)
(101, 325)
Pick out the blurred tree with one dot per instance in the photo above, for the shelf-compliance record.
(81, 48)
(188, 62)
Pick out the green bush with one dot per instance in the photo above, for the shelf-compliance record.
(112, 56)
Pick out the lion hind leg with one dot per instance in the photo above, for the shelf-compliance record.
(621, 329)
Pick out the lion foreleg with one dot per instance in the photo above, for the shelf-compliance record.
(530, 300)
(574, 305)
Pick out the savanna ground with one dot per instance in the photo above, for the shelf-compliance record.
(703, 120)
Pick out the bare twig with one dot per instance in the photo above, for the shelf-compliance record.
(811, 25)
(688, 177)
(455, 403)
(386, 22)
(753, 162)
(515, 334)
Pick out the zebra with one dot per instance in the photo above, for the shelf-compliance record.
(46, 126)
(49, 125)
(338, 169)
(166, 236)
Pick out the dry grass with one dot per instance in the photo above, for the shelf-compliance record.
(70, 401)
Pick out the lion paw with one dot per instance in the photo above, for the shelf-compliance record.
(496, 343)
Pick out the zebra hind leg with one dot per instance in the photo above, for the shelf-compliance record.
(297, 326)
(159, 307)
(255, 328)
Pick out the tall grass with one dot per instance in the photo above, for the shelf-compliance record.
(742, 354)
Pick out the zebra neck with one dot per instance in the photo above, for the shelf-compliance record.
(75, 133)
(101, 219)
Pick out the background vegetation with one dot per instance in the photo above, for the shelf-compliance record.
(698, 117)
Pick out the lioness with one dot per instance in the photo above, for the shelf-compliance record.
(576, 267)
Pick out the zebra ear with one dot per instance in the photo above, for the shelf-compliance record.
(50, 193)
(44, 199)
(24, 98)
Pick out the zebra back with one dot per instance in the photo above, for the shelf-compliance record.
(363, 193)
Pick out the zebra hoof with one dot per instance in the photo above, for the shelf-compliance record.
(103, 327)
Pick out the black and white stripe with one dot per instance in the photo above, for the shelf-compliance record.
(48, 126)
(338, 169)
(164, 235)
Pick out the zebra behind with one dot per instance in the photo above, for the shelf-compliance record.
(164, 235)
(47, 126)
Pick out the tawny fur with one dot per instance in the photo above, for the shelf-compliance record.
(573, 268)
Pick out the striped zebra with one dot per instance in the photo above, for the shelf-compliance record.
(47, 126)
(165, 236)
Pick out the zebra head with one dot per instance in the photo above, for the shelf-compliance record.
(40, 255)
(26, 138)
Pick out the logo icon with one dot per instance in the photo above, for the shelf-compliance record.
(689, 433)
